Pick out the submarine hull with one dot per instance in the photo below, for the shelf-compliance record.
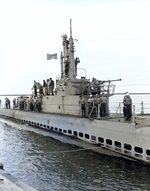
(125, 139)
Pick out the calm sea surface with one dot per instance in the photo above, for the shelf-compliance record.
(45, 163)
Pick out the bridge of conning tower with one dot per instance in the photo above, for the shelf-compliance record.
(69, 84)
(68, 63)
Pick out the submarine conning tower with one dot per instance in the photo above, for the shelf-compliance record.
(68, 83)
(69, 88)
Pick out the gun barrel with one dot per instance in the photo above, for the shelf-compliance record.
(103, 81)
(114, 80)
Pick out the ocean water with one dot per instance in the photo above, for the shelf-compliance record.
(39, 159)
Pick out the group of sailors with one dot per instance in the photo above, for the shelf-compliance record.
(46, 89)
(96, 106)
(33, 103)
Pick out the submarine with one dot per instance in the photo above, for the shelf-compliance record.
(62, 112)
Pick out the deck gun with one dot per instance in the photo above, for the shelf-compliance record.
(103, 86)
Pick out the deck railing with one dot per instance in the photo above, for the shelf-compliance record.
(115, 107)
(140, 108)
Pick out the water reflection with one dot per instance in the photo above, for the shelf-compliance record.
(31, 157)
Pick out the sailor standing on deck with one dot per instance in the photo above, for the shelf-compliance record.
(31, 104)
(40, 89)
(127, 102)
(103, 101)
(28, 104)
(35, 88)
(90, 103)
(6, 103)
(34, 103)
(82, 104)
(48, 88)
(51, 85)
(14, 103)
(44, 88)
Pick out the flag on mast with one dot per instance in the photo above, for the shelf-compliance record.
(51, 56)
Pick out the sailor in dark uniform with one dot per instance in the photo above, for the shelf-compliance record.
(44, 88)
(82, 104)
(127, 102)
(35, 88)
(51, 85)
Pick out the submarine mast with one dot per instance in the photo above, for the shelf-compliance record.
(67, 57)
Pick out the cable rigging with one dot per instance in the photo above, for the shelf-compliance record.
(117, 39)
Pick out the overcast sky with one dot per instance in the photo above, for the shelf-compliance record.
(113, 41)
